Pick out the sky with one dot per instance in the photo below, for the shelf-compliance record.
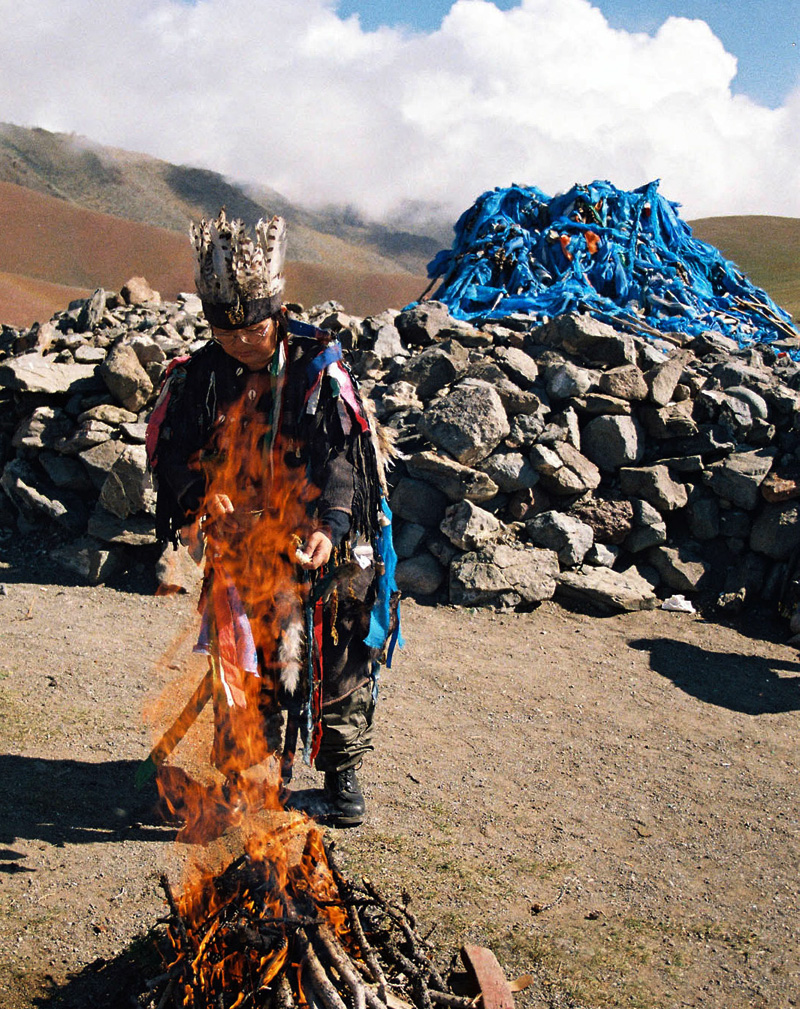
(398, 108)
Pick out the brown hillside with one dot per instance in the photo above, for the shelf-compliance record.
(25, 300)
(47, 242)
(56, 241)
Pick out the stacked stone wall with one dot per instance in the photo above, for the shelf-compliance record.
(569, 459)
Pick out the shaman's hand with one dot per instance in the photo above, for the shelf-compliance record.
(318, 550)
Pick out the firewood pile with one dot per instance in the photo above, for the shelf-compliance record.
(275, 932)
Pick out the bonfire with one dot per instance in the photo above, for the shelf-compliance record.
(280, 926)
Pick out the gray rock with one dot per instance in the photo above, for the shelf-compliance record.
(435, 368)
(612, 591)
(126, 379)
(429, 322)
(88, 559)
(503, 575)
(738, 478)
(569, 380)
(756, 404)
(408, 539)
(516, 401)
(596, 403)
(682, 567)
(626, 382)
(87, 434)
(419, 576)
(649, 528)
(35, 373)
(672, 421)
(510, 471)
(108, 413)
(85, 354)
(455, 481)
(519, 366)
(563, 470)
(611, 442)
(127, 489)
(147, 350)
(19, 481)
(572, 429)
(135, 531)
(42, 429)
(600, 555)
(526, 428)
(419, 502)
(468, 424)
(776, 531)
(137, 291)
(653, 484)
(441, 548)
(735, 416)
(382, 337)
(690, 464)
(92, 311)
(401, 396)
(134, 433)
(468, 527)
(703, 516)
(65, 471)
(587, 336)
(567, 535)
(663, 378)
(731, 372)
(99, 460)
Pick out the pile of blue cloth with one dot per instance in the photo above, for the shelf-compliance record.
(625, 257)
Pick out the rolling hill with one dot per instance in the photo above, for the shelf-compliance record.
(78, 215)
(52, 251)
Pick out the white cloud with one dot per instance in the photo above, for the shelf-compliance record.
(287, 93)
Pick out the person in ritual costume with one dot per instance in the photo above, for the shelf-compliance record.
(263, 454)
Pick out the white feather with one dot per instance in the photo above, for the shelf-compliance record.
(272, 240)
(290, 653)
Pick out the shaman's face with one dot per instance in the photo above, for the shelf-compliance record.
(252, 346)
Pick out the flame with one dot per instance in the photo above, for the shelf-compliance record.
(237, 912)
(250, 566)
(236, 926)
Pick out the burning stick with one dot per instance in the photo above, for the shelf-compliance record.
(176, 731)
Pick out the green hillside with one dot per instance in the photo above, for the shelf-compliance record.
(766, 249)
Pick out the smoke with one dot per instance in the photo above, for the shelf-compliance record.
(289, 94)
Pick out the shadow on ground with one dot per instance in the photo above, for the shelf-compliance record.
(28, 559)
(72, 802)
(110, 983)
(746, 683)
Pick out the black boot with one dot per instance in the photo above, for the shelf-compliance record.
(344, 797)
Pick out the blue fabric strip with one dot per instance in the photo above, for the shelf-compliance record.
(380, 616)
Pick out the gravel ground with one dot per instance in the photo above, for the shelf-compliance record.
(610, 803)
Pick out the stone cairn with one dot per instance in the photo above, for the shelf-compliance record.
(606, 468)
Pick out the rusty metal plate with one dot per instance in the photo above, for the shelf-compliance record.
(494, 986)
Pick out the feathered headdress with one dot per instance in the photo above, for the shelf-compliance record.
(240, 280)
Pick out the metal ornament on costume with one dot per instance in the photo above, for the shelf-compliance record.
(239, 279)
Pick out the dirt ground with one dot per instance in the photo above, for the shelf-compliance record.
(609, 803)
